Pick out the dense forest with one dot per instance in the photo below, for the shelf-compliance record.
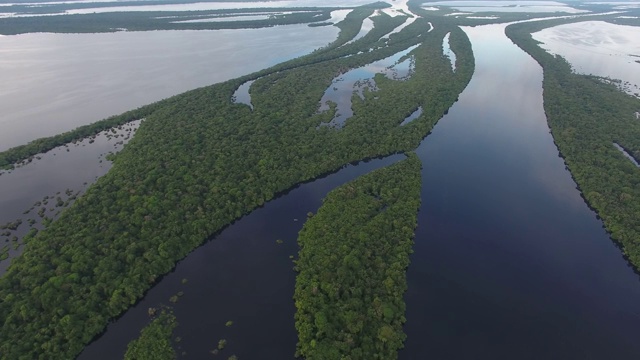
(200, 161)
(161, 20)
(587, 117)
(24, 153)
(351, 266)
(154, 342)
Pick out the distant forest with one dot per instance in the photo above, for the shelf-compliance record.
(199, 161)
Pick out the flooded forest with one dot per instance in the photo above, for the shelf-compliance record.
(321, 180)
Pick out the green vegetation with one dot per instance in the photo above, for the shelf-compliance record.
(156, 20)
(154, 342)
(4, 253)
(352, 261)
(47, 7)
(12, 225)
(200, 161)
(221, 344)
(19, 153)
(587, 116)
(489, 17)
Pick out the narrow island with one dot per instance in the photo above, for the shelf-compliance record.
(351, 266)
(199, 161)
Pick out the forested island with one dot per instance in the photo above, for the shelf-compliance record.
(201, 160)
(155, 341)
(353, 255)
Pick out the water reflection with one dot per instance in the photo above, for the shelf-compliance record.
(242, 275)
(196, 6)
(398, 67)
(242, 96)
(64, 172)
(626, 154)
(598, 48)
(367, 25)
(508, 6)
(400, 8)
(338, 15)
(507, 254)
(414, 115)
(400, 27)
(446, 50)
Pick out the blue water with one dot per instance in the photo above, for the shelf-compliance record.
(509, 261)
(398, 66)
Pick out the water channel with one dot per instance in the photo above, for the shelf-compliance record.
(398, 66)
(46, 91)
(64, 172)
(242, 275)
(509, 262)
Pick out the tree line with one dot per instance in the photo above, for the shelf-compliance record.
(587, 116)
(351, 266)
(199, 162)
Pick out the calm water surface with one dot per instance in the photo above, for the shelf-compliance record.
(53, 83)
(398, 66)
(72, 167)
(242, 275)
(509, 262)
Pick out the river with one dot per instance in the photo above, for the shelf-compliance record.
(242, 275)
(509, 261)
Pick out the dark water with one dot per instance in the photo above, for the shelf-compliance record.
(509, 262)
(243, 275)
(61, 172)
(242, 96)
(626, 154)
